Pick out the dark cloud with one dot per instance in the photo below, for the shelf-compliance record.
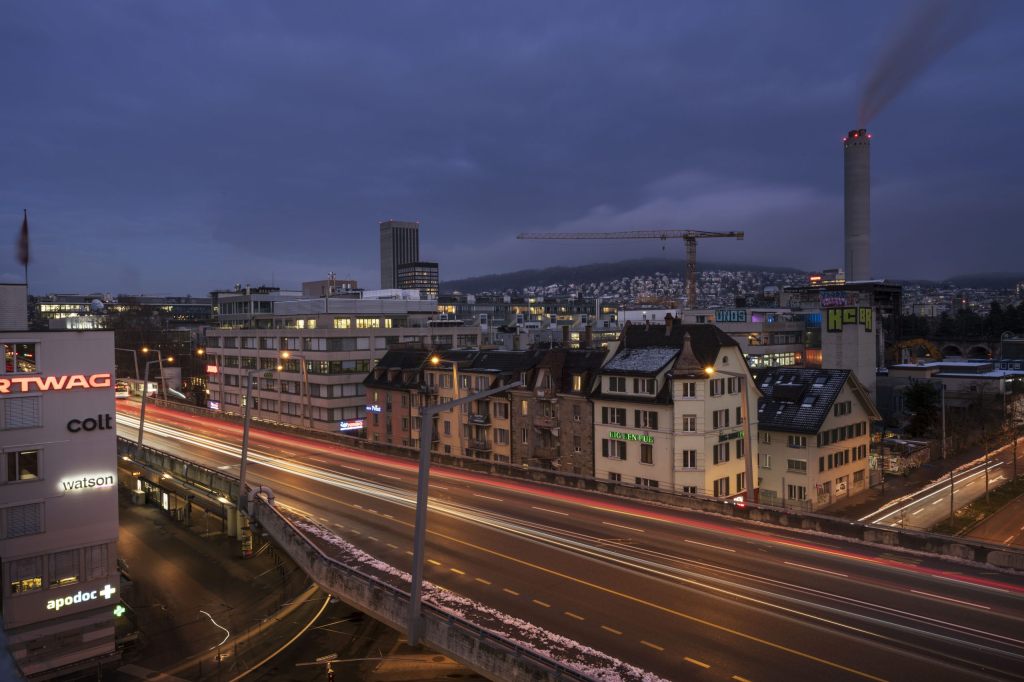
(178, 147)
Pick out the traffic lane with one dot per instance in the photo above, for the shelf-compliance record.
(1005, 527)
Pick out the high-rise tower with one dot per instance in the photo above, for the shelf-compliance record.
(857, 206)
(399, 244)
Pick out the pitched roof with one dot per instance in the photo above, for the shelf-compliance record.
(705, 339)
(797, 399)
(640, 360)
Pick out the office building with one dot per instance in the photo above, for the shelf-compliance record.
(58, 500)
(399, 244)
(421, 276)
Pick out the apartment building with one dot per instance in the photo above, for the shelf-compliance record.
(58, 499)
(815, 435)
(552, 417)
(394, 392)
(331, 345)
(483, 428)
(672, 410)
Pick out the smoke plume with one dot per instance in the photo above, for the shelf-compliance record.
(932, 28)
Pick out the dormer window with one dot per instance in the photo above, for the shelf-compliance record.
(616, 384)
(643, 386)
(577, 382)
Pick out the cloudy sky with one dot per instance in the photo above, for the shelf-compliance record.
(177, 147)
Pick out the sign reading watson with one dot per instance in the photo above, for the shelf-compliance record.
(87, 482)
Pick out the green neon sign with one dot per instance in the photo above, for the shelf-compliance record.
(621, 435)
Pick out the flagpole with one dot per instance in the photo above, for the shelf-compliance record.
(25, 237)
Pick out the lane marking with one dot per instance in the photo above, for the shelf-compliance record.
(551, 511)
(956, 601)
(704, 544)
(392, 546)
(512, 592)
(819, 570)
(481, 580)
(937, 502)
(611, 630)
(740, 679)
(439, 487)
(702, 664)
(653, 646)
(538, 602)
(1007, 540)
(339, 525)
(373, 538)
(917, 512)
(345, 466)
(408, 552)
(319, 459)
(573, 615)
(488, 497)
(431, 561)
(323, 519)
(455, 570)
(397, 478)
(619, 525)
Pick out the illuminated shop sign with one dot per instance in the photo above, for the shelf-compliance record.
(101, 422)
(62, 383)
(730, 316)
(837, 318)
(373, 408)
(350, 425)
(212, 369)
(722, 437)
(213, 404)
(80, 598)
(87, 482)
(620, 435)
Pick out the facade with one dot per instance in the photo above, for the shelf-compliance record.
(815, 436)
(672, 410)
(394, 391)
(552, 417)
(58, 500)
(768, 337)
(483, 429)
(421, 276)
(101, 311)
(399, 244)
(332, 344)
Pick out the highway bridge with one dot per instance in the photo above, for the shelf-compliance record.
(683, 595)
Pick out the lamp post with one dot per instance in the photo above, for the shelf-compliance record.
(160, 360)
(422, 490)
(436, 361)
(305, 380)
(142, 408)
(246, 419)
(752, 493)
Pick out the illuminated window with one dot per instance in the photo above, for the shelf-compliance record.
(23, 465)
(26, 575)
(343, 323)
(64, 568)
(20, 358)
(367, 323)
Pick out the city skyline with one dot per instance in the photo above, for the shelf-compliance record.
(210, 147)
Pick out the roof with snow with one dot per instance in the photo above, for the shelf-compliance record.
(797, 400)
(640, 360)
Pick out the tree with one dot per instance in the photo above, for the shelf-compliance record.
(921, 400)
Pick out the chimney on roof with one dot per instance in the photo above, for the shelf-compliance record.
(565, 336)
(588, 336)
(668, 324)
(515, 340)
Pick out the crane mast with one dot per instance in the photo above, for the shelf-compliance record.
(690, 237)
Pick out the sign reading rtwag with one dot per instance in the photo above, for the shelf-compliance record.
(620, 435)
(83, 596)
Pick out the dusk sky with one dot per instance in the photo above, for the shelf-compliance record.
(178, 147)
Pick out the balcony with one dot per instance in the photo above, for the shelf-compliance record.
(479, 445)
(542, 422)
(546, 453)
(480, 419)
(546, 393)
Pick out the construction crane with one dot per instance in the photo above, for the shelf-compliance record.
(688, 236)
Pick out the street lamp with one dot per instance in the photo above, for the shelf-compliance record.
(436, 361)
(751, 494)
(427, 413)
(245, 441)
(305, 380)
(160, 360)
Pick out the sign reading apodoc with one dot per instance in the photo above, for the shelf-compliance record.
(101, 422)
(620, 435)
(350, 425)
(83, 596)
(15, 384)
(87, 482)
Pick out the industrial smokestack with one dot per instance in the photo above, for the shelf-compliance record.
(857, 208)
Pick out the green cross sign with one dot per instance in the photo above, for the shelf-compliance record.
(119, 610)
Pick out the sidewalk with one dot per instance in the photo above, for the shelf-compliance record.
(177, 574)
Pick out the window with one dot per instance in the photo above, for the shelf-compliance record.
(689, 422)
(686, 459)
(23, 465)
(721, 486)
(500, 410)
(23, 519)
(796, 465)
(96, 562)
(577, 382)
(447, 428)
(501, 436)
(646, 453)
(689, 389)
(739, 449)
(576, 413)
(646, 482)
(577, 444)
(732, 383)
(64, 568)
(613, 449)
(689, 490)
(22, 413)
(719, 419)
(616, 384)
(613, 415)
(26, 574)
(740, 482)
(766, 438)
(524, 407)
(643, 386)
(717, 387)
(858, 476)
(796, 492)
(821, 463)
(720, 453)
(644, 419)
(612, 476)
(525, 436)
(367, 323)
(797, 441)
(739, 416)
(20, 358)
(766, 461)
